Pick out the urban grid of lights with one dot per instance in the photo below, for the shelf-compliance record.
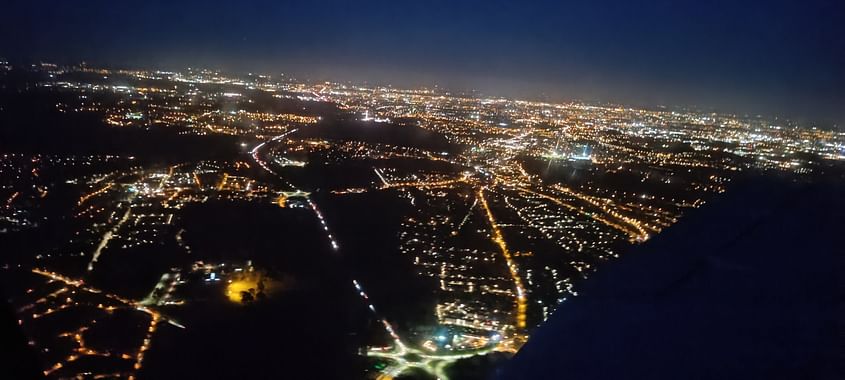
(479, 211)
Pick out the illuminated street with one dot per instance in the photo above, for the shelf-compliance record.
(203, 223)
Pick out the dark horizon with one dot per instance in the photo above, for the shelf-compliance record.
(778, 59)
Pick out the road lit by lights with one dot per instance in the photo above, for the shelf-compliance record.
(77, 335)
(404, 357)
(499, 240)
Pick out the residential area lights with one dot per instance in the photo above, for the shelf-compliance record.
(498, 238)
(558, 188)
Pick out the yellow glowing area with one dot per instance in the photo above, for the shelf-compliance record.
(252, 283)
(233, 291)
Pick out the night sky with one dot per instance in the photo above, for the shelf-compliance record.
(772, 57)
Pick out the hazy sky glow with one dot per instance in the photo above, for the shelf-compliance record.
(775, 57)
